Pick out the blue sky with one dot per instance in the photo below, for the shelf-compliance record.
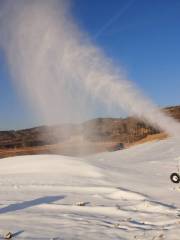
(141, 36)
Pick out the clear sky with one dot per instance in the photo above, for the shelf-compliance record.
(142, 36)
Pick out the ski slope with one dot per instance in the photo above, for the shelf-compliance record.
(125, 195)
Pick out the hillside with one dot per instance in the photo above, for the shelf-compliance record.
(93, 136)
(119, 195)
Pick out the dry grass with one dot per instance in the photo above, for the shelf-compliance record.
(150, 138)
(75, 148)
(72, 149)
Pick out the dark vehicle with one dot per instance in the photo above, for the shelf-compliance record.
(117, 147)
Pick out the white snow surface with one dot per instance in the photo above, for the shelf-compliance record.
(124, 195)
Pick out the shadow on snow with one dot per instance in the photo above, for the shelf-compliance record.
(27, 204)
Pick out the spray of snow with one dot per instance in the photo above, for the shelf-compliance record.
(59, 69)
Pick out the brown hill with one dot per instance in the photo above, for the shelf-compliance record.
(96, 135)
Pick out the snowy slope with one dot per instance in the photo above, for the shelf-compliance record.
(126, 195)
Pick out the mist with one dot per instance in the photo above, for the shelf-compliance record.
(55, 65)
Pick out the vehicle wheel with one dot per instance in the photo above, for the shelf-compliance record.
(175, 178)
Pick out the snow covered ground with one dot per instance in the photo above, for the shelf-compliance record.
(125, 195)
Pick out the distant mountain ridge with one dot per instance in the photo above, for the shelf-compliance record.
(93, 132)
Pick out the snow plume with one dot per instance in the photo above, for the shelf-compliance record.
(60, 70)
